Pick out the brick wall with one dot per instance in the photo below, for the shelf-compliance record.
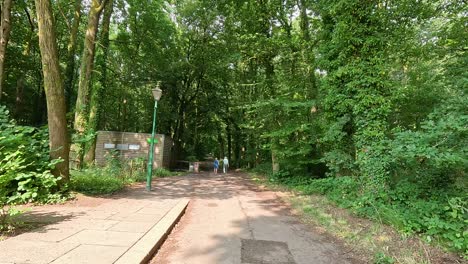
(132, 145)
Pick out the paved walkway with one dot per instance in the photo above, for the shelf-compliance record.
(123, 229)
(230, 220)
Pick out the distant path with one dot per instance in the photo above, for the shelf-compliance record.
(230, 220)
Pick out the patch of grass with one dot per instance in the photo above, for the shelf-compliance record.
(162, 173)
(381, 258)
(108, 180)
(90, 182)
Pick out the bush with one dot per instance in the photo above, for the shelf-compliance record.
(113, 177)
(406, 206)
(264, 169)
(92, 182)
(24, 164)
(161, 173)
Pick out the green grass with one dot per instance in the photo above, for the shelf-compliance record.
(162, 173)
(94, 183)
(98, 181)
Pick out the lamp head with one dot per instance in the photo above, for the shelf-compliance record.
(157, 92)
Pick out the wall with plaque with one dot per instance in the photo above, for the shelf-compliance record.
(132, 145)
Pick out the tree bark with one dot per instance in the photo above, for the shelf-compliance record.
(229, 141)
(98, 89)
(304, 20)
(19, 97)
(86, 69)
(5, 28)
(274, 161)
(308, 57)
(70, 68)
(58, 139)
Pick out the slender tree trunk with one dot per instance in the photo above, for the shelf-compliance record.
(304, 20)
(101, 86)
(70, 68)
(5, 28)
(53, 85)
(308, 57)
(19, 97)
(221, 145)
(20, 83)
(86, 69)
(229, 141)
(274, 161)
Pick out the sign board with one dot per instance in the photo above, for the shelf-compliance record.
(109, 146)
(134, 147)
(122, 146)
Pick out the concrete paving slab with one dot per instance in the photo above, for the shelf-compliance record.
(48, 234)
(91, 254)
(37, 252)
(143, 250)
(102, 215)
(151, 218)
(120, 216)
(104, 238)
(140, 227)
(96, 234)
(85, 223)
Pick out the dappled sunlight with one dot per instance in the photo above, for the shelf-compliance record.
(228, 216)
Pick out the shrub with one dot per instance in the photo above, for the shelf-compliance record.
(92, 182)
(406, 206)
(24, 164)
(263, 168)
(161, 173)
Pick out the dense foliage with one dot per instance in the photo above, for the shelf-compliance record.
(371, 94)
(113, 177)
(439, 217)
(24, 164)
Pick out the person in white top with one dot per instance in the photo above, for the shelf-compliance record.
(225, 164)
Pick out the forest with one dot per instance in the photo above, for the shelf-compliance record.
(363, 101)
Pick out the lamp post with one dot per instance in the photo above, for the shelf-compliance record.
(157, 95)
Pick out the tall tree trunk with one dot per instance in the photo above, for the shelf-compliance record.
(229, 141)
(5, 28)
(19, 97)
(53, 85)
(86, 69)
(96, 96)
(71, 50)
(274, 161)
(221, 145)
(20, 83)
(308, 56)
(304, 20)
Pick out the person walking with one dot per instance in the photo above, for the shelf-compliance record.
(225, 164)
(215, 165)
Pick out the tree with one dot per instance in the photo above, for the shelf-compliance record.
(86, 70)
(100, 86)
(53, 85)
(5, 28)
(71, 52)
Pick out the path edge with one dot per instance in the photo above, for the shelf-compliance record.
(143, 250)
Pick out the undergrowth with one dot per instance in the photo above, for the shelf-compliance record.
(438, 218)
(114, 176)
(25, 170)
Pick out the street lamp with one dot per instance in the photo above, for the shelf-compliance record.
(157, 95)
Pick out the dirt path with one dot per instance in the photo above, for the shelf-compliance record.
(230, 220)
